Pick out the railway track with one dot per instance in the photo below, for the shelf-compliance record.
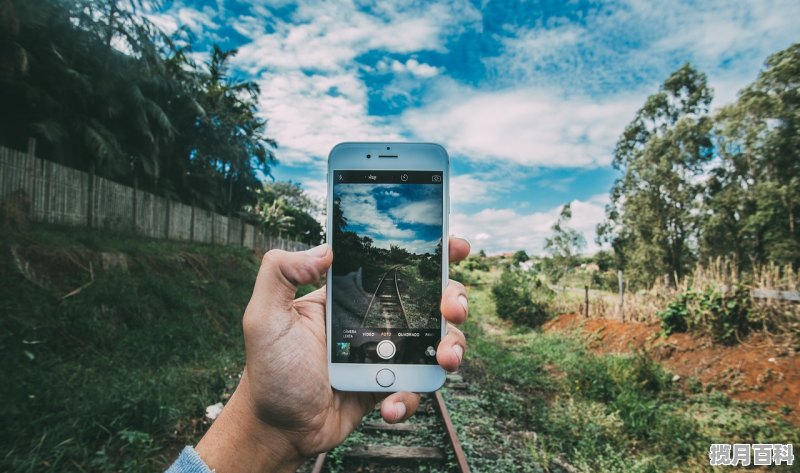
(386, 309)
(428, 438)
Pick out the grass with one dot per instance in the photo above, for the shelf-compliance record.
(117, 376)
(598, 412)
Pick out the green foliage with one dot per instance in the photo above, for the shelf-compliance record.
(675, 317)
(520, 257)
(149, 116)
(522, 298)
(694, 185)
(725, 316)
(564, 245)
(297, 205)
(121, 372)
(470, 271)
(619, 413)
(752, 200)
(605, 280)
(649, 221)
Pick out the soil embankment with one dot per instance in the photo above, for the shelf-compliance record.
(755, 370)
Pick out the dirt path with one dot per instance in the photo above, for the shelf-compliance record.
(756, 370)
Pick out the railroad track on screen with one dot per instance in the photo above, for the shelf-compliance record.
(386, 308)
(382, 449)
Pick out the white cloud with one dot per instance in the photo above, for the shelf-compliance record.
(527, 126)
(307, 120)
(426, 212)
(359, 207)
(312, 92)
(411, 66)
(640, 41)
(486, 185)
(498, 230)
(180, 15)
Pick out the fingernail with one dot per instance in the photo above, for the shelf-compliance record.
(400, 410)
(318, 251)
(458, 351)
(462, 299)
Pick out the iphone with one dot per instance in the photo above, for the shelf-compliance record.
(387, 225)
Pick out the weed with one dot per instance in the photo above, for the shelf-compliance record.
(725, 316)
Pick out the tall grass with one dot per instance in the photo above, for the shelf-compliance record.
(113, 347)
(716, 280)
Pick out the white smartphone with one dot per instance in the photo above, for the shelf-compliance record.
(388, 205)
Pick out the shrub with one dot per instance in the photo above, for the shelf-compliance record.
(724, 316)
(521, 298)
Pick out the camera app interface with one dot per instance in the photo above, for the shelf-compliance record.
(387, 266)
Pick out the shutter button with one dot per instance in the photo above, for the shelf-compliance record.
(386, 349)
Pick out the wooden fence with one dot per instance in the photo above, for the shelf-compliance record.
(57, 194)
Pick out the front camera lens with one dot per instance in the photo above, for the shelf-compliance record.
(369, 156)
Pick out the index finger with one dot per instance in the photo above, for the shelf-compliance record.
(459, 249)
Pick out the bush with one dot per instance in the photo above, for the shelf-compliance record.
(521, 298)
(724, 316)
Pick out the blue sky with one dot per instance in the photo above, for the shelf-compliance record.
(528, 97)
(404, 215)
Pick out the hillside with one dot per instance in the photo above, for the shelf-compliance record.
(112, 347)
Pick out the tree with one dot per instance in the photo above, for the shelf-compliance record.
(752, 201)
(564, 245)
(520, 257)
(298, 205)
(651, 221)
(103, 90)
(271, 216)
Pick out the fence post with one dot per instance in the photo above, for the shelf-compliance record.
(135, 187)
(621, 295)
(166, 220)
(191, 224)
(586, 301)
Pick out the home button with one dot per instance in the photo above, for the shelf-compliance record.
(385, 377)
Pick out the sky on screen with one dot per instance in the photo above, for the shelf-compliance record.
(404, 215)
(529, 98)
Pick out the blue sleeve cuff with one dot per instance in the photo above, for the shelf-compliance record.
(189, 462)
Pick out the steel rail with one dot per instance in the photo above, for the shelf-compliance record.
(375, 293)
(452, 435)
(400, 298)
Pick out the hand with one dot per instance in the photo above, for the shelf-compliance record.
(284, 409)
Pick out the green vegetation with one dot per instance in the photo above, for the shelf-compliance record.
(666, 213)
(103, 90)
(725, 316)
(421, 297)
(115, 377)
(552, 402)
(522, 298)
(471, 271)
(564, 246)
(283, 209)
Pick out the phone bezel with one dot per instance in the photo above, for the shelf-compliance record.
(411, 157)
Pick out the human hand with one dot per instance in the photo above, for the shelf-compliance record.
(284, 409)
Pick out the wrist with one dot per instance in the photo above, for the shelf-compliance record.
(238, 441)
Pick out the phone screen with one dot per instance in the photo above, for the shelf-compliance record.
(387, 266)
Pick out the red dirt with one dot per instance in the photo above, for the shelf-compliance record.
(755, 370)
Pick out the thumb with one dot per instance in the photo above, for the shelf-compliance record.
(282, 271)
